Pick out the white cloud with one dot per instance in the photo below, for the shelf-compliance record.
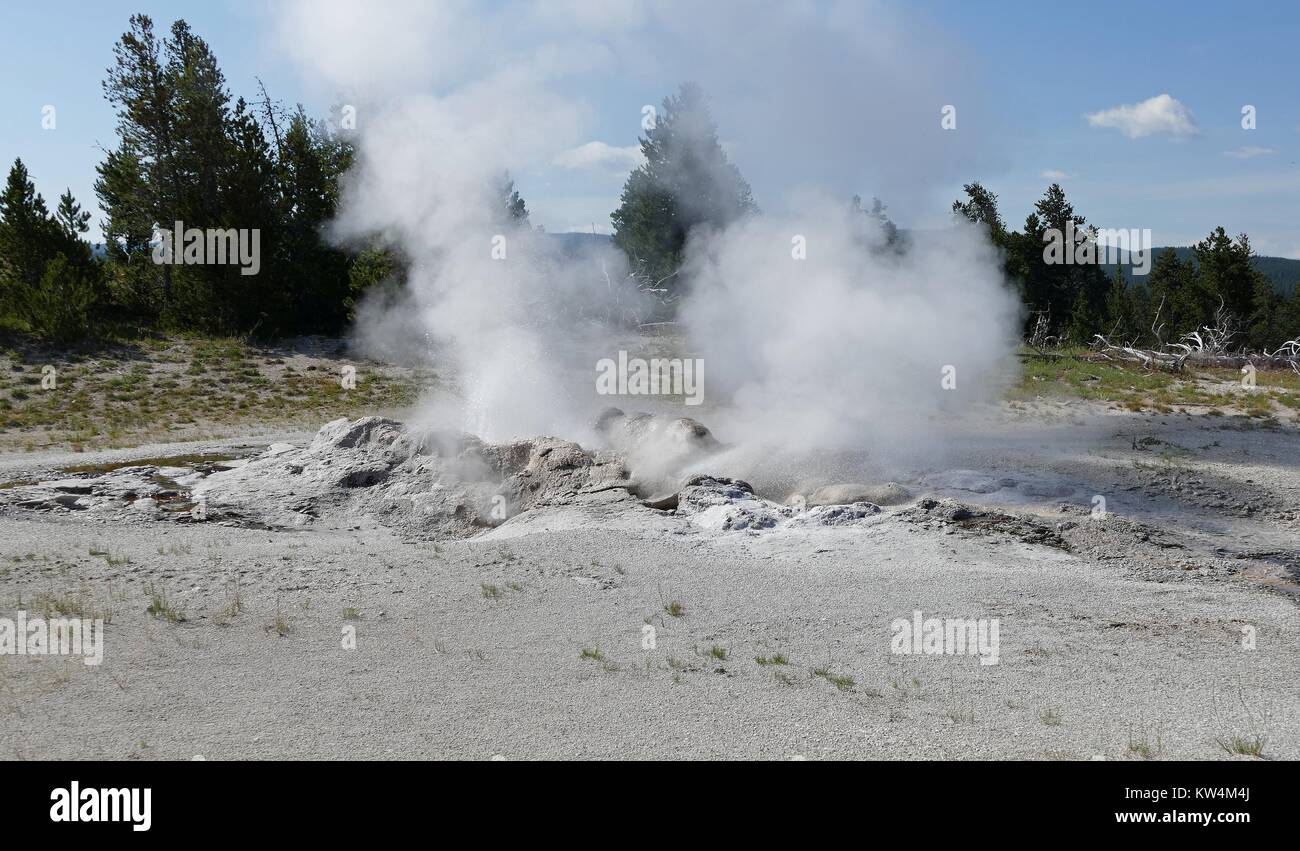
(598, 155)
(1249, 152)
(1055, 174)
(397, 44)
(1160, 115)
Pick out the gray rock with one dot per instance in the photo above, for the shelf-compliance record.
(425, 484)
(676, 437)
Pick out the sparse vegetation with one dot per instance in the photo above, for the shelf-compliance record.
(109, 558)
(843, 682)
(1080, 373)
(80, 604)
(113, 399)
(280, 625)
(595, 654)
(232, 609)
(961, 716)
(1143, 747)
(1243, 745)
(162, 608)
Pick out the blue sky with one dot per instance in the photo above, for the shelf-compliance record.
(1024, 77)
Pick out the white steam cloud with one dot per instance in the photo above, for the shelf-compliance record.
(848, 348)
(844, 350)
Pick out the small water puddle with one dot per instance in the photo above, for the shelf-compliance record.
(202, 463)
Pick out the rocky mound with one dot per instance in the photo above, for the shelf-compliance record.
(431, 484)
(729, 505)
(436, 485)
(427, 484)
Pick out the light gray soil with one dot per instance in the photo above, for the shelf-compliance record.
(1120, 636)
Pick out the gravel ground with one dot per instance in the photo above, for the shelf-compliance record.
(601, 630)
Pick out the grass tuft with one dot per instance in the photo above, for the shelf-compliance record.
(843, 682)
(1243, 745)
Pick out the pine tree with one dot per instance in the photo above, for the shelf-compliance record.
(134, 282)
(47, 275)
(1119, 321)
(1264, 329)
(27, 233)
(515, 210)
(1176, 294)
(981, 207)
(1227, 277)
(686, 182)
(60, 306)
(886, 233)
(1055, 288)
(312, 162)
(1288, 318)
(138, 88)
(1082, 323)
(71, 218)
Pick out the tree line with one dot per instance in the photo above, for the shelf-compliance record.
(1218, 286)
(187, 151)
(687, 182)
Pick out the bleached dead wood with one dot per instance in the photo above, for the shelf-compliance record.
(1209, 346)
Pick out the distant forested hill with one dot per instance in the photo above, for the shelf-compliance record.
(1282, 271)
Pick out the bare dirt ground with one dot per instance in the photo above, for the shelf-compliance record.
(1123, 635)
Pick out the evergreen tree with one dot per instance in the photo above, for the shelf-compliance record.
(219, 190)
(885, 231)
(1056, 288)
(134, 282)
(139, 88)
(516, 212)
(686, 182)
(1176, 295)
(1288, 319)
(72, 220)
(60, 306)
(313, 161)
(1227, 277)
(1120, 321)
(28, 236)
(47, 276)
(1265, 329)
(981, 207)
(1083, 321)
